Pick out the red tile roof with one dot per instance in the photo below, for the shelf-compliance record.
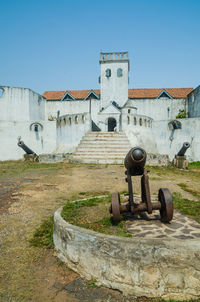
(77, 94)
(146, 93)
(152, 93)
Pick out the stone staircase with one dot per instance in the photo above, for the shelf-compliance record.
(102, 148)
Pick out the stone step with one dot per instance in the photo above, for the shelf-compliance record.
(99, 136)
(116, 139)
(97, 161)
(99, 155)
(99, 151)
(102, 147)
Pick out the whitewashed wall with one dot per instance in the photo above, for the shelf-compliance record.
(70, 130)
(188, 133)
(72, 107)
(114, 88)
(159, 109)
(21, 104)
(40, 142)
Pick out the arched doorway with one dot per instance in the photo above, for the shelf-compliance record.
(111, 123)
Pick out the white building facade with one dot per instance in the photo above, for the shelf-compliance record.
(56, 121)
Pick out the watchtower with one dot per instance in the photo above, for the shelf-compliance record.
(114, 78)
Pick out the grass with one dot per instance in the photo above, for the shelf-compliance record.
(77, 214)
(194, 164)
(187, 207)
(189, 190)
(43, 236)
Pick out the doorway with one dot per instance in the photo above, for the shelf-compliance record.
(111, 124)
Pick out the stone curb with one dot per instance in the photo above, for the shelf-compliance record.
(166, 268)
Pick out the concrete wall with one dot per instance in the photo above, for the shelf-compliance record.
(71, 107)
(21, 104)
(114, 88)
(194, 103)
(188, 133)
(43, 141)
(70, 130)
(138, 129)
(159, 109)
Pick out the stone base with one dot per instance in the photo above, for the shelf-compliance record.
(180, 162)
(30, 157)
(152, 267)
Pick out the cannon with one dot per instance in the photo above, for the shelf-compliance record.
(30, 154)
(184, 148)
(134, 163)
(25, 147)
(180, 160)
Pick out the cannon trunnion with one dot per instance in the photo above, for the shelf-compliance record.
(134, 163)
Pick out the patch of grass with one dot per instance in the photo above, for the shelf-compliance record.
(76, 213)
(92, 283)
(187, 207)
(189, 190)
(194, 164)
(43, 236)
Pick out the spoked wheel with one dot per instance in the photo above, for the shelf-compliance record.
(166, 211)
(115, 207)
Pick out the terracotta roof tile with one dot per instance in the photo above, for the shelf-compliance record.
(77, 94)
(152, 93)
(146, 93)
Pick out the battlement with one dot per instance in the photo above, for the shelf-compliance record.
(113, 57)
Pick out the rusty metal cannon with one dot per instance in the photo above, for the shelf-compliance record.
(184, 148)
(134, 163)
(180, 160)
(30, 154)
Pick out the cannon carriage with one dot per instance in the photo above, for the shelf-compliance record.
(134, 163)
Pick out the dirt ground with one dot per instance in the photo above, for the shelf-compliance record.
(31, 193)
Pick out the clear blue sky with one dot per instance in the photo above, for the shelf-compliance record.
(55, 45)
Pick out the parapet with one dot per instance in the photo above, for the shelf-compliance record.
(114, 57)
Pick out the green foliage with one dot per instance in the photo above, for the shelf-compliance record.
(43, 236)
(181, 114)
(92, 283)
(194, 164)
(187, 207)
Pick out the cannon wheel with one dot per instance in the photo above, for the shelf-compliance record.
(165, 198)
(115, 206)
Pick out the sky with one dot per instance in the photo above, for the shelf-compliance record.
(55, 45)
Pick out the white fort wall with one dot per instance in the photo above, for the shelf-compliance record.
(42, 141)
(71, 107)
(70, 130)
(159, 109)
(21, 104)
(170, 141)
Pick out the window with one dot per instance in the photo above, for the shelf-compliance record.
(119, 72)
(76, 119)
(140, 122)
(108, 73)
(135, 121)
(129, 110)
(1, 92)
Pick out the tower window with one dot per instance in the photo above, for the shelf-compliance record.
(108, 73)
(119, 72)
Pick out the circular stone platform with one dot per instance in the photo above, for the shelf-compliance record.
(150, 226)
(156, 262)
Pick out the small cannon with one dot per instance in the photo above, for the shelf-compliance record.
(30, 154)
(180, 160)
(134, 163)
(184, 148)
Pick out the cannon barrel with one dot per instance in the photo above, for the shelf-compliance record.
(24, 147)
(184, 148)
(135, 161)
